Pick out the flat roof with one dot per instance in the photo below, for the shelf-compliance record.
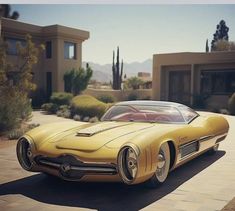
(9, 25)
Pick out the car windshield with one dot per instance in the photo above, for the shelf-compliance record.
(149, 113)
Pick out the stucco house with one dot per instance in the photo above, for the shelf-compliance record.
(185, 77)
(63, 51)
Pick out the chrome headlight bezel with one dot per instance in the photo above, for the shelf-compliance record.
(128, 163)
(24, 151)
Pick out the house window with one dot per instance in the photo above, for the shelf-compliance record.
(12, 45)
(218, 82)
(69, 50)
(48, 50)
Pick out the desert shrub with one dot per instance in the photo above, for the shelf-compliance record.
(93, 119)
(87, 106)
(66, 114)
(17, 133)
(106, 98)
(59, 113)
(50, 108)
(64, 111)
(86, 119)
(77, 117)
(132, 96)
(14, 108)
(61, 98)
(31, 126)
(231, 104)
(64, 107)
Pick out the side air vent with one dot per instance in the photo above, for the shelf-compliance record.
(187, 149)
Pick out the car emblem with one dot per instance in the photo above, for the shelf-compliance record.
(65, 167)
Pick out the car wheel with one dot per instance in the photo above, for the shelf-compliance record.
(163, 166)
(213, 150)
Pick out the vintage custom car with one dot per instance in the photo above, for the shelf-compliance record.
(135, 142)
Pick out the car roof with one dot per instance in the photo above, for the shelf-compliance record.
(150, 103)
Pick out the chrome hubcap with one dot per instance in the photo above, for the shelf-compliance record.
(161, 161)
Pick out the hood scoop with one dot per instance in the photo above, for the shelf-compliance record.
(93, 129)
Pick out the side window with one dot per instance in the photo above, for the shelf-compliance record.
(12, 45)
(117, 110)
(187, 113)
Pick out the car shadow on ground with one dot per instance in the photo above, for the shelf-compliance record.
(104, 196)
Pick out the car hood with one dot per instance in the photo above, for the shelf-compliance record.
(92, 136)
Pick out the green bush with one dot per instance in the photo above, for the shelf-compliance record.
(14, 108)
(17, 133)
(132, 96)
(50, 108)
(64, 108)
(86, 119)
(61, 98)
(77, 117)
(87, 106)
(231, 104)
(106, 98)
(93, 119)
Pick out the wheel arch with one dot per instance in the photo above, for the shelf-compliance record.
(172, 148)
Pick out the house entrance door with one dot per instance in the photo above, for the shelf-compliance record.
(179, 86)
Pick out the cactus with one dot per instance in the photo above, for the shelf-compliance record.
(117, 73)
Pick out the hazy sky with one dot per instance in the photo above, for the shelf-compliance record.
(139, 30)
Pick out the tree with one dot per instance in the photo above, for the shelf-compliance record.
(220, 34)
(16, 83)
(134, 82)
(224, 45)
(117, 73)
(5, 10)
(207, 46)
(77, 80)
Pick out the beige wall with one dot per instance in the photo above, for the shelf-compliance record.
(120, 95)
(58, 35)
(193, 62)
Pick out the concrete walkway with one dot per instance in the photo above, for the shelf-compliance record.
(204, 184)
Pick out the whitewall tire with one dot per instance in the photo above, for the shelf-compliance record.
(163, 166)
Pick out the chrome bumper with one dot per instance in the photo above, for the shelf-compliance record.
(69, 167)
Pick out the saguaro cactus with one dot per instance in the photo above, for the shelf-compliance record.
(117, 73)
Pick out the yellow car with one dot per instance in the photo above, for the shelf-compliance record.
(135, 142)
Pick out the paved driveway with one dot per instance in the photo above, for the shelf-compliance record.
(206, 183)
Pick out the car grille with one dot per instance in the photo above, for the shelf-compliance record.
(72, 168)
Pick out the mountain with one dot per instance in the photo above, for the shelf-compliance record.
(103, 73)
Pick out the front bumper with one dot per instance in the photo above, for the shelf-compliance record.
(69, 167)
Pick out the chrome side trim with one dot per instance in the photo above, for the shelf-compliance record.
(204, 143)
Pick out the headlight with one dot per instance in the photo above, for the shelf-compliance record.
(128, 163)
(24, 153)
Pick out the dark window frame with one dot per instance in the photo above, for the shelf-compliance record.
(67, 45)
(48, 49)
(14, 51)
(212, 79)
